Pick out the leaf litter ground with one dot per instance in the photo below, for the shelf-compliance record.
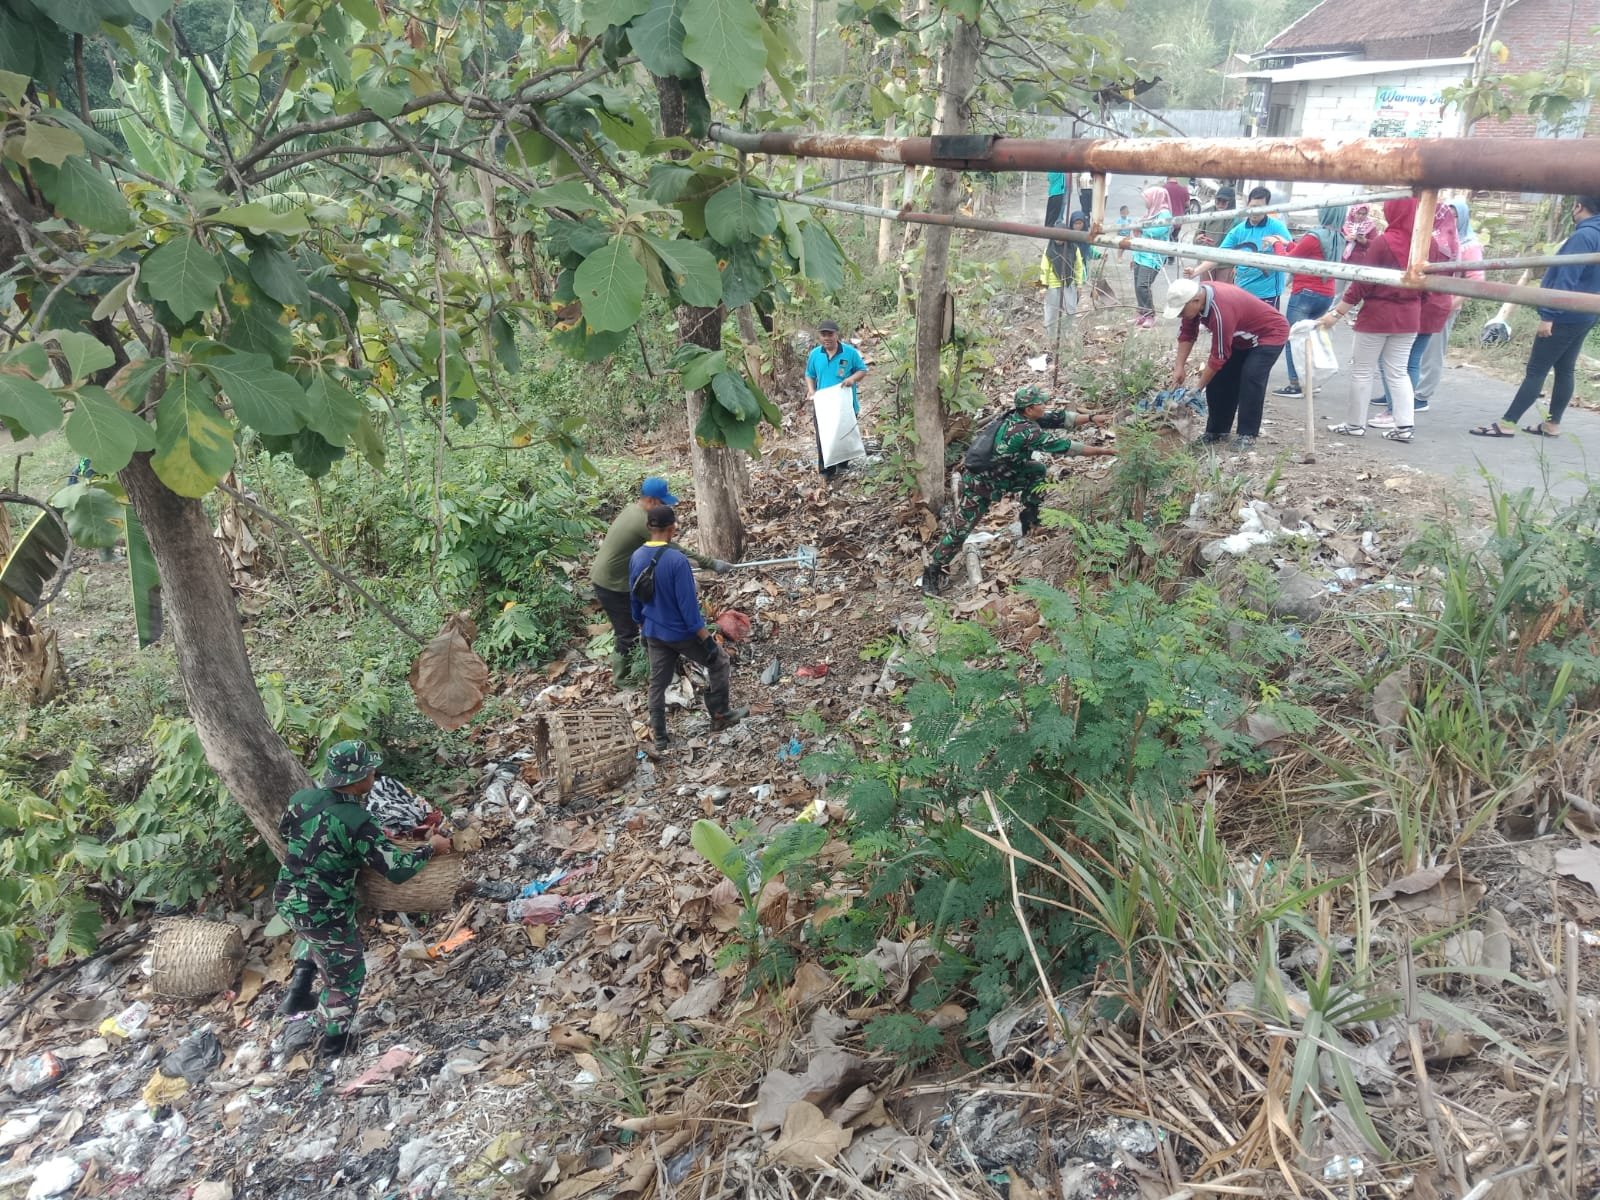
(605, 1054)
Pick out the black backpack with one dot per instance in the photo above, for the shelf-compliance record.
(980, 455)
(644, 587)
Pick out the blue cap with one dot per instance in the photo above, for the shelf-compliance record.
(656, 488)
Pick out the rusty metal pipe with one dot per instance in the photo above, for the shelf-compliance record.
(1495, 164)
(1471, 288)
(1511, 264)
(1422, 234)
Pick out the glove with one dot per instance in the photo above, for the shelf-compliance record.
(721, 566)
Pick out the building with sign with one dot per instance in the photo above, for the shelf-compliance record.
(1376, 68)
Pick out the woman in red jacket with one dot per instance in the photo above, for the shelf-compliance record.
(1385, 328)
(1311, 295)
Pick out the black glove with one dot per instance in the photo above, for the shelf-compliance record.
(1053, 420)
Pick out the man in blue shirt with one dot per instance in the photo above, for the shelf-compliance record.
(1258, 231)
(674, 627)
(833, 362)
(1561, 333)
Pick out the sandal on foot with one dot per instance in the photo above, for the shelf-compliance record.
(1492, 430)
(1400, 433)
(1349, 430)
(1540, 431)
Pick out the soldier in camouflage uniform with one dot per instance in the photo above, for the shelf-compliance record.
(329, 836)
(1000, 463)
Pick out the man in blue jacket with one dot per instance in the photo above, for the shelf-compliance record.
(1561, 333)
(673, 625)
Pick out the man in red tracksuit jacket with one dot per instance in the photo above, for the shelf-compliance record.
(1247, 336)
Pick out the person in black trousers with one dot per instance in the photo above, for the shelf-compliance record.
(1561, 333)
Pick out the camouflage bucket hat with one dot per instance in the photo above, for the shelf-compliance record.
(1030, 395)
(350, 762)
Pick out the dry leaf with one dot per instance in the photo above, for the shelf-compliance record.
(880, 1150)
(699, 1001)
(829, 1072)
(449, 680)
(853, 1105)
(810, 981)
(1581, 862)
(947, 1016)
(604, 1024)
(1496, 940)
(373, 1139)
(1436, 895)
(808, 1137)
(567, 1038)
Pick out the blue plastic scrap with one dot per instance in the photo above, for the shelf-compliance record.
(1170, 399)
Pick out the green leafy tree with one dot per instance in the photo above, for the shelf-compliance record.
(318, 228)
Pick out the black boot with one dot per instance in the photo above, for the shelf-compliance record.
(301, 996)
(932, 580)
(658, 730)
(725, 720)
(336, 1045)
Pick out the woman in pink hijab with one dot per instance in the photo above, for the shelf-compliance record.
(1147, 264)
(1444, 247)
(1359, 229)
(1385, 328)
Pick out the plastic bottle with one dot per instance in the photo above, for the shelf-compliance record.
(127, 1022)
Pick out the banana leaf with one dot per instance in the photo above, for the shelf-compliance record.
(35, 559)
(145, 581)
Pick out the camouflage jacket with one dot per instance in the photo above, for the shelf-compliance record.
(1011, 438)
(328, 838)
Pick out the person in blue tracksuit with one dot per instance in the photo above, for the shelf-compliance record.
(674, 626)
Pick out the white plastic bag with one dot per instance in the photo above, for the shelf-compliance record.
(837, 429)
(1312, 343)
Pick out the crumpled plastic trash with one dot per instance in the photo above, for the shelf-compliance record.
(773, 672)
(734, 624)
(793, 750)
(197, 1056)
(53, 1177)
(163, 1089)
(394, 1059)
(33, 1073)
(1167, 400)
(547, 910)
(814, 671)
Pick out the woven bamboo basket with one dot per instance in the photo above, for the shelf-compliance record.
(193, 958)
(432, 889)
(589, 751)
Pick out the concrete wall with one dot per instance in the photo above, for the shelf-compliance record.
(1345, 108)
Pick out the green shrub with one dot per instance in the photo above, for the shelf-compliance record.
(1125, 695)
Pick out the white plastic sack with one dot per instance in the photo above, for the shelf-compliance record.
(1312, 343)
(837, 429)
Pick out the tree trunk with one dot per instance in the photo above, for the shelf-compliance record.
(719, 473)
(247, 754)
(958, 74)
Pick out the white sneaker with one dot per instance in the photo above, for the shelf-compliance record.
(1383, 420)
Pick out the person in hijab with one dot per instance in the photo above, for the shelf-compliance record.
(1062, 270)
(1444, 245)
(1311, 295)
(1431, 369)
(1359, 229)
(1147, 264)
(1384, 329)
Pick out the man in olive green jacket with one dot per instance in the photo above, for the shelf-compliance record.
(609, 571)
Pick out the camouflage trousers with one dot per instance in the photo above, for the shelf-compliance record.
(980, 490)
(336, 949)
